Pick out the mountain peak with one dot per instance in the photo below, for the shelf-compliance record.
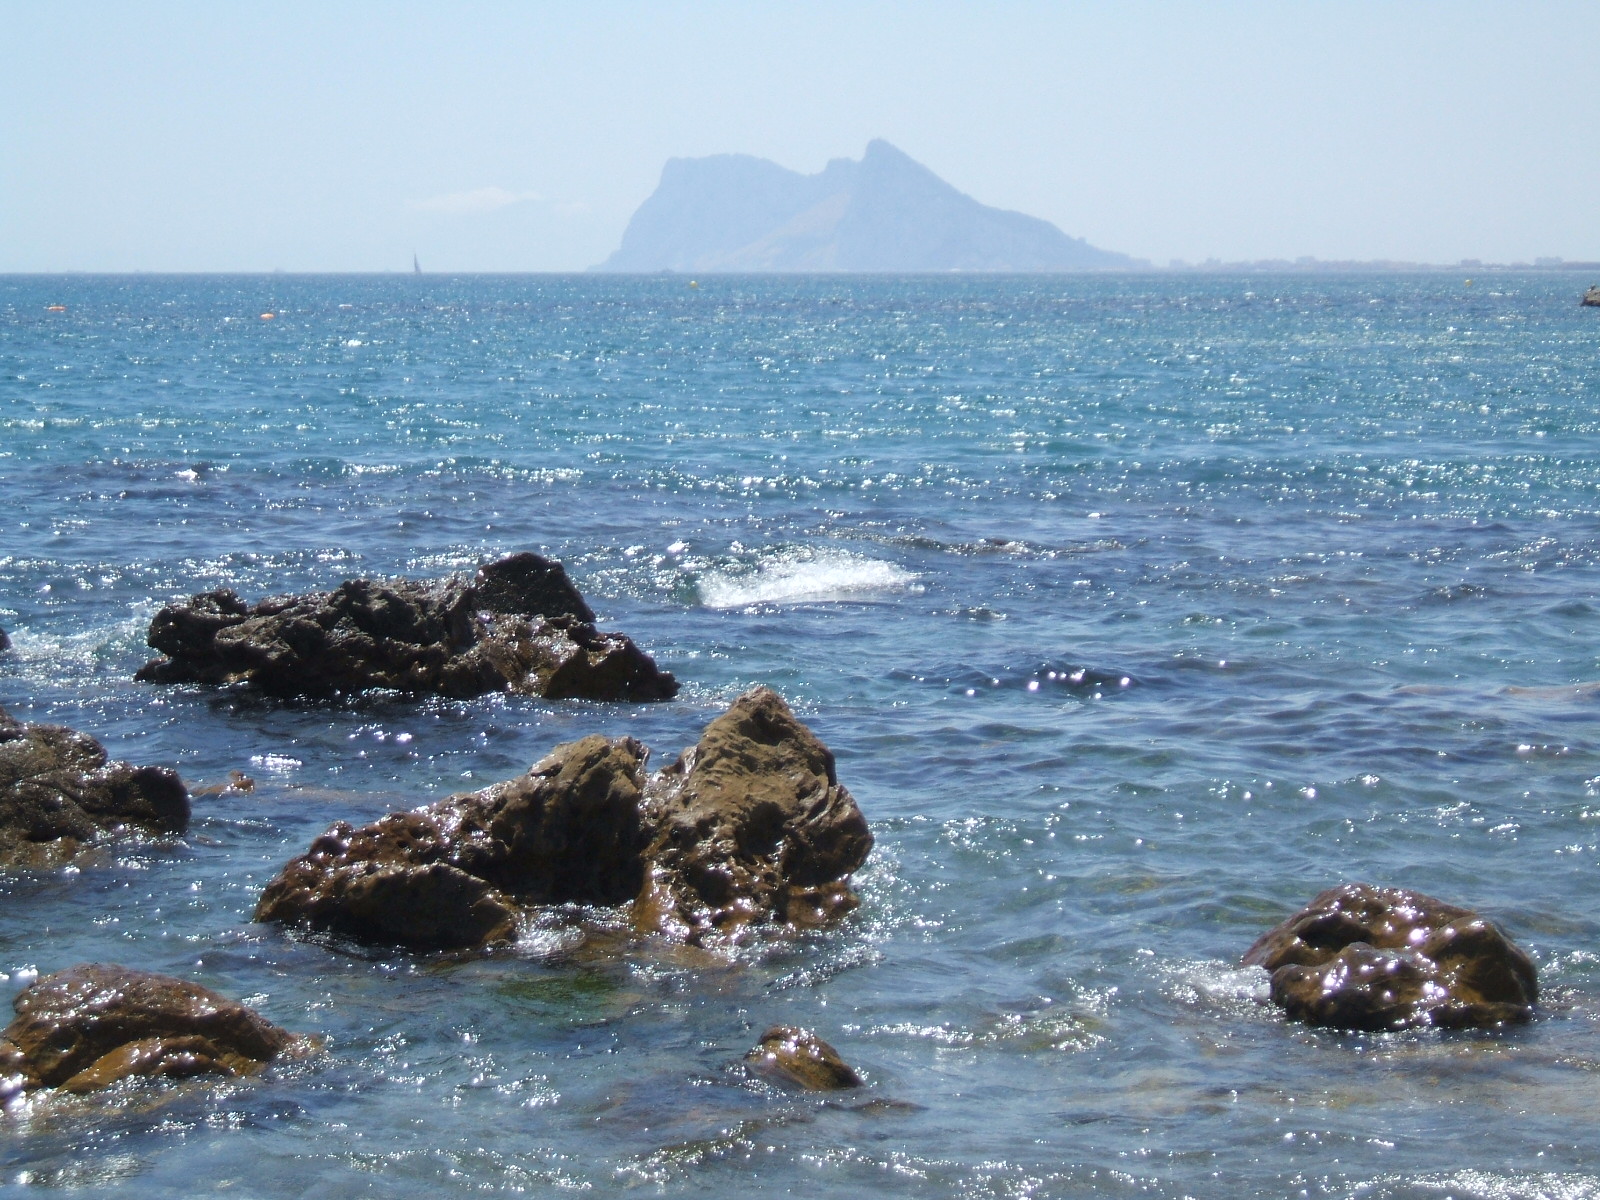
(883, 212)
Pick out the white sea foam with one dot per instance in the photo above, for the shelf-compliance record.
(803, 576)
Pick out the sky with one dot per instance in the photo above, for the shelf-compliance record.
(484, 136)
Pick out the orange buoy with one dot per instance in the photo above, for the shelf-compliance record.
(56, 308)
(269, 316)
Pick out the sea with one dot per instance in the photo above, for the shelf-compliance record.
(1137, 610)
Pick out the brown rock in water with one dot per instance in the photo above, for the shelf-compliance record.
(58, 791)
(518, 626)
(802, 1059)
(1371, 958)
(749, 826)
(89, 1026)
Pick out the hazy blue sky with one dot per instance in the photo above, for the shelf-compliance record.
(521, 136)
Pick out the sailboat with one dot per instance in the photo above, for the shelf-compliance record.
(416, 267)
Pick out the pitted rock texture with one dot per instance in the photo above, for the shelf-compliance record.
(518, 626)
(1371, 958)
(748, 827)
(800, 1058)
(58, 792)
(89, 1026)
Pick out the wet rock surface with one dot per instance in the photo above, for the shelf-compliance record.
(519, 625)
(1370, 958)
(748, 827)
(799, 1058)
(92, 1025)
(59, 791)
(5, 641)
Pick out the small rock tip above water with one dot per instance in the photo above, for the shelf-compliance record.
(1363, 957)
(799, 1058)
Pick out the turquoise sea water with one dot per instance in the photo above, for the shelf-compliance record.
(1137, 610)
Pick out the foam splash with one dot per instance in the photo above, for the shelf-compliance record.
(803, 576)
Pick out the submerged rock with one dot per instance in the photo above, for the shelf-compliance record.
(800, 1058)
(58, 791)
(89, 1026)
(518, 626)
(1371, 958)
(749, 826)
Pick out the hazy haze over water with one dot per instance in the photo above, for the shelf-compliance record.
(499, 136)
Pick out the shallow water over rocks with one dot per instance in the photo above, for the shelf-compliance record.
(1339, 534)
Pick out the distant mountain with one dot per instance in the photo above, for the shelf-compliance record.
(734, 212)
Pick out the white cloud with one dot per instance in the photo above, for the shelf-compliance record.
(480, 200)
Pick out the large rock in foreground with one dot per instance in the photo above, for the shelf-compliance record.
(518, 626)
(89, 1026)
(748, 827)
(1371, 958)
(58, 791)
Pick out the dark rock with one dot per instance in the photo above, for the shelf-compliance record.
(58, 792)
(89, 1026)
(5, 641)
(1591, 298)
(748, 827)
(800, 1058)
(1371, 958)
(518, 626)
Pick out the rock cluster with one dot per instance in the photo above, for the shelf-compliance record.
(749, 826)
(518, 626)
(58, 792)
(89, 1026)
(1370, 958)
(800, 1058)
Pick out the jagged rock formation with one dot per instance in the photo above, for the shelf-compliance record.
(1371, 958)
(801, 1059)
(58, 792)
(519, 626)
(89, 1026)
(748, 827)
(733, 212)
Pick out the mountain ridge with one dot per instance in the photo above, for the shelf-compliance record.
(885, 212)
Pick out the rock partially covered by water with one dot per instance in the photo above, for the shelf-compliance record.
(5, 641)
(518, 626)
(58, 791)
(800, 1058)
(749, 826)
(1371, 958)
(89, 1026)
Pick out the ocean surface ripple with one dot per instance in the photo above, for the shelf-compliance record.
(1137, 610)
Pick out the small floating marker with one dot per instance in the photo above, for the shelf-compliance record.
(694, 283)
(56, 308)
(1469, 283)
(269, 316)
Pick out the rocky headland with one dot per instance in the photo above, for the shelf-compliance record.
(1373, 958)
(519, 626)
(86, 1028)
(748, 827)
(59, 792)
